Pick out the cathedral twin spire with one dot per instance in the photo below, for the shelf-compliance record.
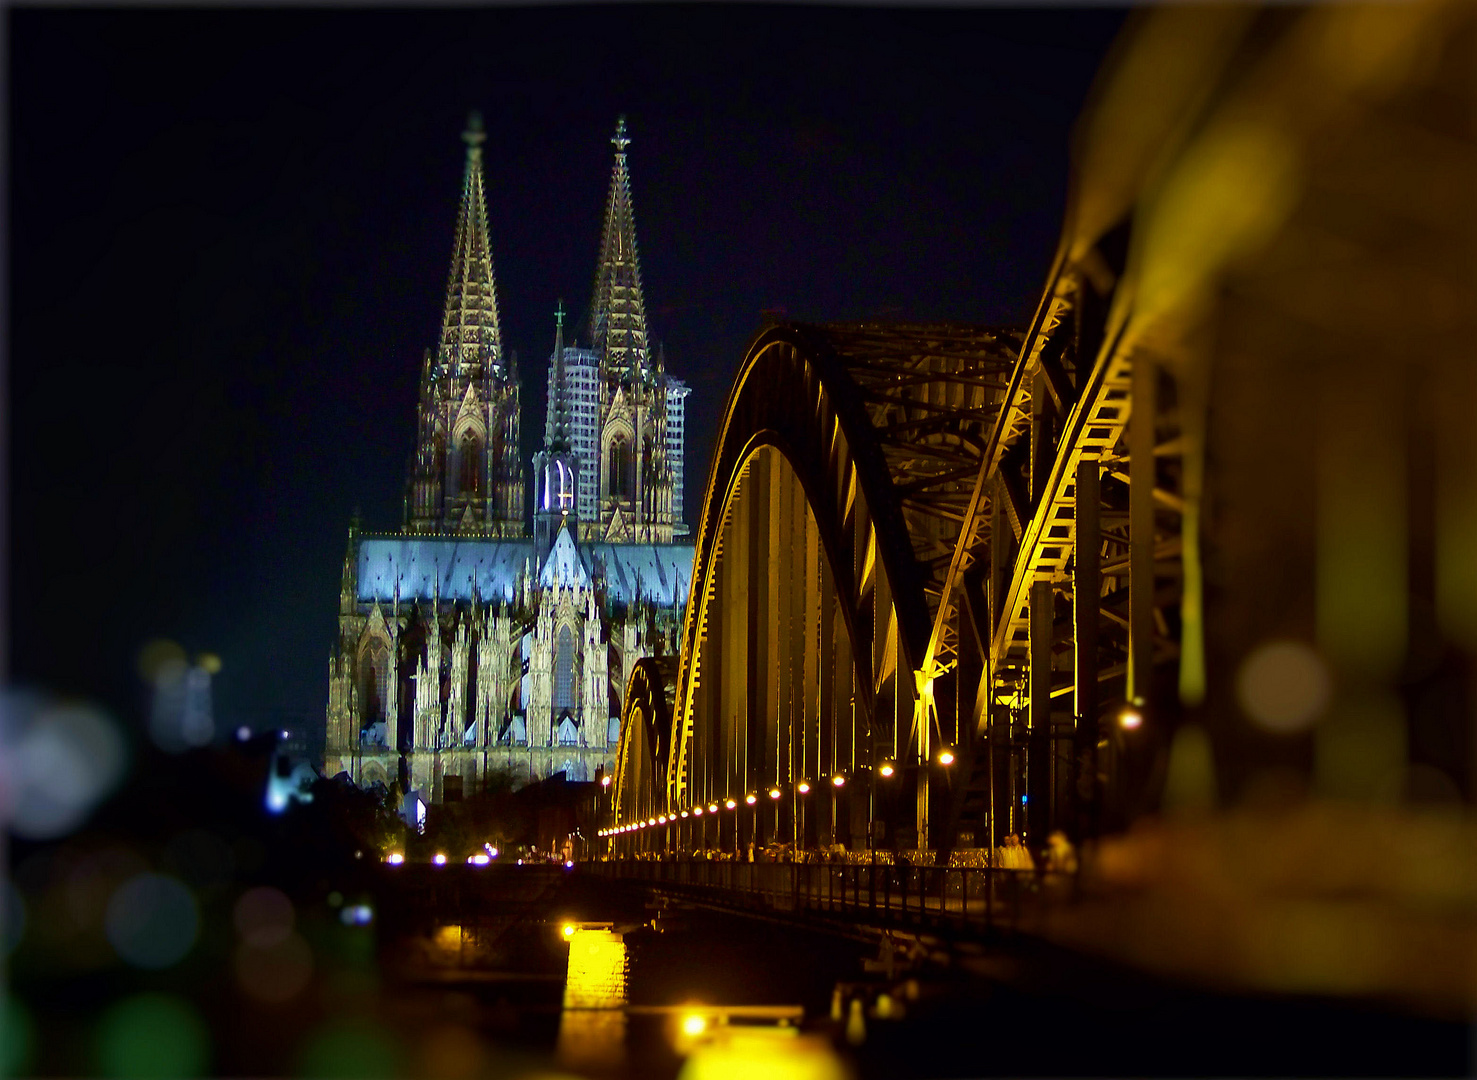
(617, 307)
(470, 333)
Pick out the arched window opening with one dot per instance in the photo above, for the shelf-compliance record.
(375, 673)
(470, 457)
(564, 671)
(618, 483)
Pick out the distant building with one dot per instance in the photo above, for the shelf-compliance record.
(467, 642)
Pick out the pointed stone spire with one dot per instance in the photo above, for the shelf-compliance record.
(617, 308)
(557, 437)
(470, 332)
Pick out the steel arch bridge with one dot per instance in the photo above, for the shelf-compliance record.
(943, 571)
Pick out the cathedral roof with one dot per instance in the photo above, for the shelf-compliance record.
(450, 568)
(660, 573)
(488, 570)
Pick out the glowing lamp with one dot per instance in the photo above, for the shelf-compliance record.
(946, 756)
(394, 858)
(697, 811)
(661, 819)
(751, 798)
(694, 1024)
(803, 787)
(605, 781)
(712, 808)
(684, 813)
(839, 780)
(774, 793)
(887, 769)
(1130, 719)
(439, 859)
(569, 930)
(729, 803)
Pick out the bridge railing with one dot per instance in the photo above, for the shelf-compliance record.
(964, 897)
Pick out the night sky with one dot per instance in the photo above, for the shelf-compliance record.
(230, 234)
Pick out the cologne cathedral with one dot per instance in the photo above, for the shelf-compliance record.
(480, 639)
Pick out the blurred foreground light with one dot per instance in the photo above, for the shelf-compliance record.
(569, 929)
(243, 733)
(356, 915)
(439, 859)
(946, 756)
(1283, 686)
(152, 1035)
(276, 973)
(394, 858)
(694, 1024)
(1130, 719)
(56, 763)
(775, 1053)
(263, 916)
(151, 920)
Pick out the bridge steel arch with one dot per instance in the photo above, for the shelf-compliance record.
(845, 464)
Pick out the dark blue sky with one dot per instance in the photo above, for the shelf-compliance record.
(229, 243)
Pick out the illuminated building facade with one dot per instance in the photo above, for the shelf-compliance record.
(468, 644)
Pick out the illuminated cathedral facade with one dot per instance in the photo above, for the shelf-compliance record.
(480, 639)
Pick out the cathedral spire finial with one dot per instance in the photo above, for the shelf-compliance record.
(475, 134)
(558, 435)
(621, 139)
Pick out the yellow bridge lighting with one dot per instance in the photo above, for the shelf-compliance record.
(694, 1024)
(751, 798)
(946, 756)
(887, 769)
(729, 803)
(569, 929)
(1130, 719)
(697, 811)
(774, 793)
(803, 787)
(839, 780)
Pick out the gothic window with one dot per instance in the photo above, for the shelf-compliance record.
(564, 671)
(470, 456)
(618, 483)
(376, 666)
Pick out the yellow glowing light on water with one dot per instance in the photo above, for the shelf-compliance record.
(1130, 719)
(694, 1024)
(730, 803)
(839, 780)
(569, 929)
(946, 757)
(751, 798)
(887, 769)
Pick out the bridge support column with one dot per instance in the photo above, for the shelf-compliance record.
(1141, 532)
(1086, 591)
(1039, 741)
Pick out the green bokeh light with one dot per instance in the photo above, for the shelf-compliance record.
(17, 1038)
(349, 1049)
(150, 1037)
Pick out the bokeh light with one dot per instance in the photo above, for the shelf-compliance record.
(276, 972)
(1283, 686)
(151, 1036)
(152, 920)
(17, 1037)
(351, 1048)
(263, 916)
(62, 759)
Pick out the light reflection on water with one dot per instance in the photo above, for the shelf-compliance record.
(592, 1027)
